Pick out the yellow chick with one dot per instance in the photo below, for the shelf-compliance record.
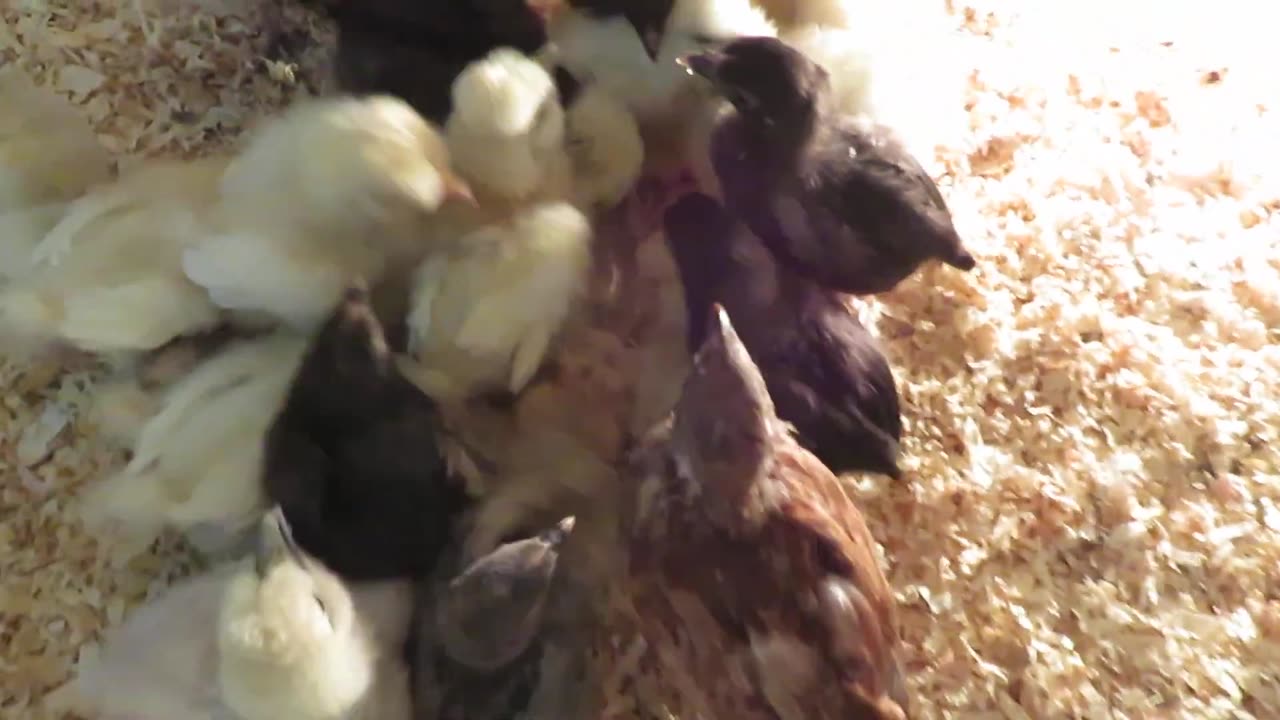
(604, 147)
(484, 313)
(507, 130)
(334, 188)
(197, 459)
(297, 643)
(107, 277)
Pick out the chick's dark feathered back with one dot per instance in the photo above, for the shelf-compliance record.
(837, 199)
(825, 372)
(352, 458)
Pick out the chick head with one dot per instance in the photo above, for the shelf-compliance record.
(766, 80)
(350, 161)
(507, 125)
(722, 431)
(491, 612)
(289, 644)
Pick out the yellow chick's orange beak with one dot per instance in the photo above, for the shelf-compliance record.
(455, 188)
(546, 9)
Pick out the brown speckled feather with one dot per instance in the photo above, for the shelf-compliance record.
(733, 577)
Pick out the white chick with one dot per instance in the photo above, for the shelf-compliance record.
(197, 458)
(108, 276)
(48, 151)
(638, 64)
(332, 189)
(161, 663)
(484, 314)
(605, 150)
(296, 643)
(877, 68)
(791, 14)
(507, 129)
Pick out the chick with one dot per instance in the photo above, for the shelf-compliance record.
(836, 199)
(825, 372)
(485, 313)
(603, 143)
(752, 573)
(352, 457)
(490, 612)
(873, 72)
(197, 458)
(48, 151)
(332, 189)
(499, 640)
(507, 130)
(108, 276)
(295, 642)
(160, 664)
(415, 50)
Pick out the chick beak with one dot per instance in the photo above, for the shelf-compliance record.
(558, 534)
(704, 64)
(455, 188)
(547, 10)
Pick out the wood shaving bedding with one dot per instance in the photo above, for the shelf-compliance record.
(1090, 522)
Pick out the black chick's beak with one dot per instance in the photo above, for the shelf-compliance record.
(705, 64)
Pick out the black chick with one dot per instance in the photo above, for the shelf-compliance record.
(352, 457)
(496, 641)
(838, 199)
(414, 49)
(825, 372)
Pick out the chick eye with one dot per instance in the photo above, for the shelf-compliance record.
(320, 604)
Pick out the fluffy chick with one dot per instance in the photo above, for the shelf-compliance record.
(352, 457)
(485, 312)
(415, 50)
(108, 276)
(161, 663)
(48, 151)
(752, 573)
(196, 460)
(297, 643)
(507, 130)
(502, 640)
(835, 198)
(825, 372)
(873, 72)
(490, 612)
(21, 230)
(332, 189)
(603, 143)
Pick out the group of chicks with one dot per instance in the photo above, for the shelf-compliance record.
(518, 320)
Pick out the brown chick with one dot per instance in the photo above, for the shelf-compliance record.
(752, 573)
